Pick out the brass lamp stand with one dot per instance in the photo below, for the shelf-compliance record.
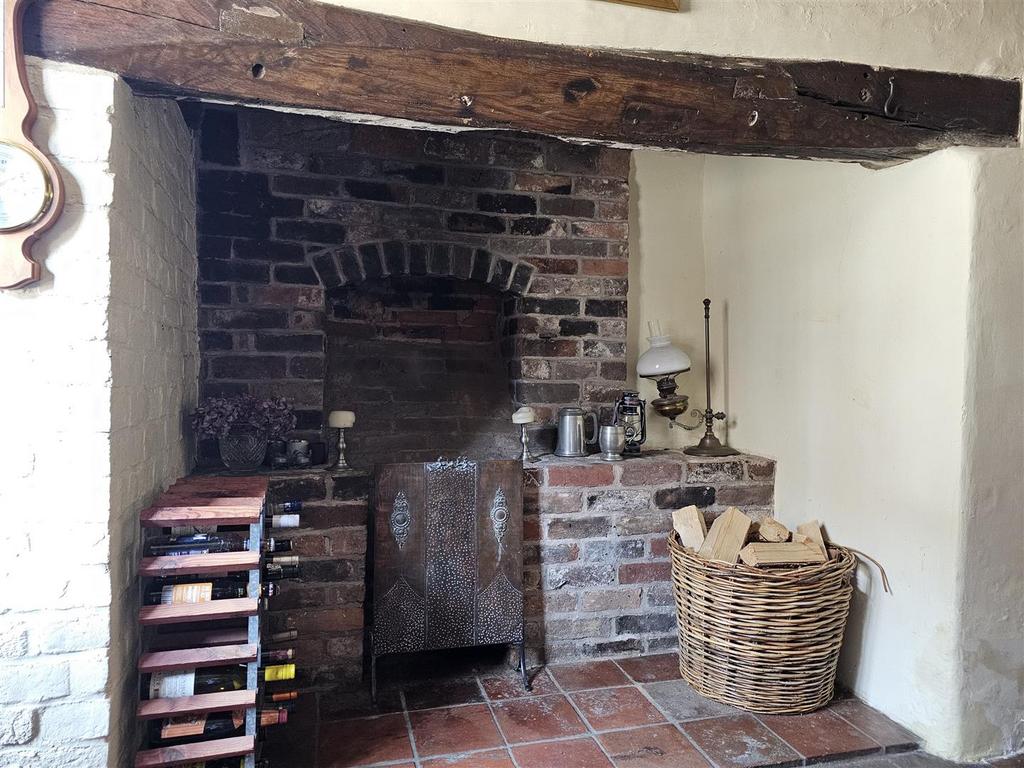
(709, 445)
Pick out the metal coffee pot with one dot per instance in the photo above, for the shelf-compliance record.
(572, 441)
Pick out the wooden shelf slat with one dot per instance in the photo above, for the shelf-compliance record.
(226, 701)
(198, 752)
(215, 562)
(209, 611)
(196, 658)
(198, 499)
(248, 486)
(166, 517)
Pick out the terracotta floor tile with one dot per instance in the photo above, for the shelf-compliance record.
(496, 759)
(893, 736)
(574, 753)
(590, 674)
(681, 703)
(544, 717)
(364, 740)
(608, 708)
(342, 705)
(820, 734)
(659, 746)
(740, 742)
(454, 729)
(652, 669)
(501, 687)
(442, 693)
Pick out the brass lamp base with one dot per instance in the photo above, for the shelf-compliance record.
(710, 445)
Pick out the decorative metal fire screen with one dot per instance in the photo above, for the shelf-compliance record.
(447, 557)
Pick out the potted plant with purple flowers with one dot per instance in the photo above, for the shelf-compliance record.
(243, 425)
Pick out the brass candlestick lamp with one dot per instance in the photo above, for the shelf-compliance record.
(662, 363)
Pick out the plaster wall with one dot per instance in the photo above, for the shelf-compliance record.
(867, 344)
(96, 392)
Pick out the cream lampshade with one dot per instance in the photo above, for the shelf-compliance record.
(341, 419)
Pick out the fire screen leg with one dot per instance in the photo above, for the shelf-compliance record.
(522, 667)
(373, 678)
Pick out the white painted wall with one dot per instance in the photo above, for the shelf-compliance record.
(103, 365)
(977, 36)
(844, 298)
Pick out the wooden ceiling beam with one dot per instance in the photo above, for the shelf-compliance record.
(308, 55)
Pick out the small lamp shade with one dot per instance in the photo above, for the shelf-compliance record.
(524, 415)
(662, 359)
(341, 419)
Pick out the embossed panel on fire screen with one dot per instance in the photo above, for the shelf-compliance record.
(447, 557)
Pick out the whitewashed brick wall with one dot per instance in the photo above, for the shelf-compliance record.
(100, 370)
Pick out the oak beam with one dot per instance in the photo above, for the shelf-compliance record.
(307, 55)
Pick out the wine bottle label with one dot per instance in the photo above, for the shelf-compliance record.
(171, 685)
(279, 672)
(178, 594)
(284, 521)
(186, 725)
(284, 696)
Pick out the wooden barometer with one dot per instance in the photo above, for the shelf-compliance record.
(31, 193)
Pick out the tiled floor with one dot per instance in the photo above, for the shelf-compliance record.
(632, 713)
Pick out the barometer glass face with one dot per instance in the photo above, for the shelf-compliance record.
(25, 190)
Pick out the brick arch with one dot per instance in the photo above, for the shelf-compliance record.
(351, 265)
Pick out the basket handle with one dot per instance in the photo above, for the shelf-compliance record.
(885, 579)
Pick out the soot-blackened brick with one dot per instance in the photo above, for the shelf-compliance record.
(295, 274)
(372, 190)
(269, 250)
(418, 259)
(502, 274)
(521, 278)
(562, 307)
(568, 327)
(348, 488)
(290, 342)
(481, 265)
(492, 203)
(219, 136)
(307, 186)
(369, 254)
(546, 392)
(416, 174)
(247, 367)
(476, 223)
(215, 341)
(310, 231)
(605, 308)
(230, 225)
(213, 248)
(214, 294)
(326, 269)
(234, 272)
(684, 496)
(394, 257)
(531, 226)
(440, 261)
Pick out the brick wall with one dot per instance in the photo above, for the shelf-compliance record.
(292, 207)
(596, 565)
(596, 559)
(97, 423)
(421, 358)
(325, 603)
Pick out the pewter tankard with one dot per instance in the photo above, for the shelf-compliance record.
(572, 441)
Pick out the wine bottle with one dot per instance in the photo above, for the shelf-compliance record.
(281, 521)
(277, 545)
(215, 725)
(192, 544)
(282, 696)
(295, 505)
(285, 636)
(272, 573)
(282, 559)
(203, 592)
(276, 655)
(190, 682)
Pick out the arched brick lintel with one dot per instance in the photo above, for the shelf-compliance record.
(351, 265)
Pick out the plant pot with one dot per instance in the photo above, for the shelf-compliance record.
(243, 451)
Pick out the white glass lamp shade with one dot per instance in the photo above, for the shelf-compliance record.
(662, 359)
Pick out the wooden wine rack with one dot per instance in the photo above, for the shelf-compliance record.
(205, 502)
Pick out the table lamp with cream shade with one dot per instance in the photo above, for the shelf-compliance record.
(341, 420)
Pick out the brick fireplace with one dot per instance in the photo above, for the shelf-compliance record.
(408, 275)
(432, 282)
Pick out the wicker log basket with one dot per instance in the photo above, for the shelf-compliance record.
(766, 640)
